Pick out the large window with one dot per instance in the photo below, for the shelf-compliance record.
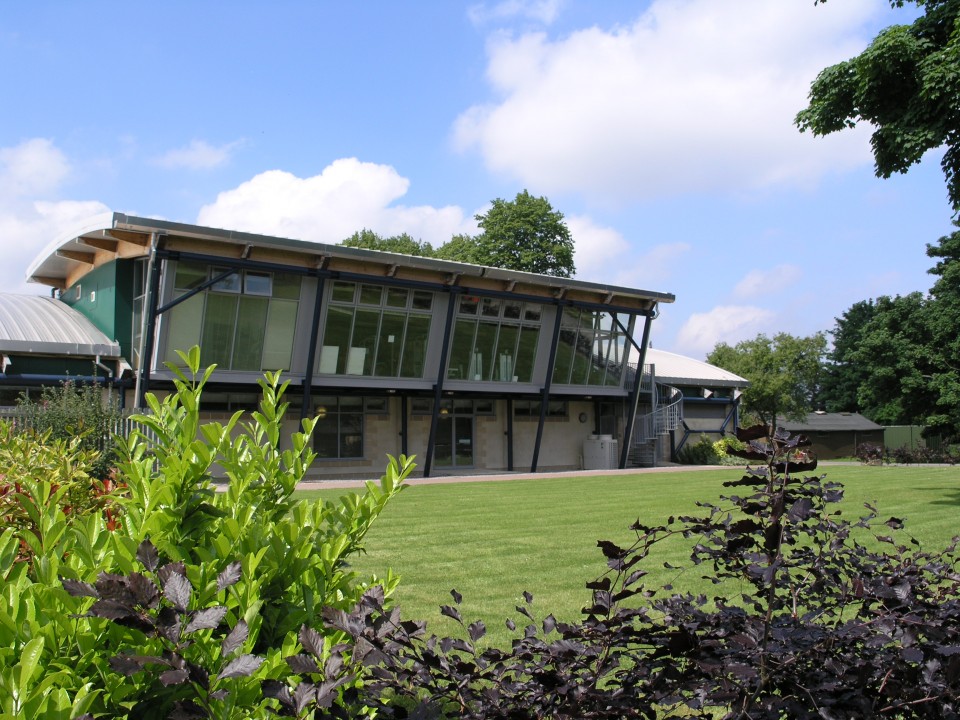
(591, 349)
(374, 330)
(245, 321)
(494, 340)
(338, 433)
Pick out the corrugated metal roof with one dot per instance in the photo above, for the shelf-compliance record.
(37, 324)
(830, 422)
(674, 369)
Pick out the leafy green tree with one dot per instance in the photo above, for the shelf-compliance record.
(905, 84)
(844, 373)
(893, 356)
(943, 354)
(784, 373)
(461, 248)
(525, 234)
(403, 244)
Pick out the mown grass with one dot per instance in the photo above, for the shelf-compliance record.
(493, 540)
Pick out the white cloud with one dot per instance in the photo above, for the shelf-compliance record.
(34, 168)
(602, 254)
(725, 323)
(198, 155)
(544, 11)
(695, 95)
(347, 196)
(760, 283)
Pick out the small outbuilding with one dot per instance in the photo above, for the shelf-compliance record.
(835, 435)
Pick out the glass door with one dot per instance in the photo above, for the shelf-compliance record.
(454, 443)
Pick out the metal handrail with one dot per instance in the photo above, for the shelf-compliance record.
(665, 418)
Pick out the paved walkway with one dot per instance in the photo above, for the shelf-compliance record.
(321, 484)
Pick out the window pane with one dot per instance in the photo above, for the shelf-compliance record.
(526, 354)
(481, 367)
(363, 343)
(183, 333)
(506, 347)
(251, 323)
(343, 291)
(583, 358)
(257, 283)
(336, 340)
(511, 309)
(189, 275)
(326, 441)
(397, 297)
(422, 300)
(230, 284)
(468, 305)
(461, 351)
(278, 338)
(388, 349)
(371, 295)
(490, 307)
(219, 320)
(415, 346)
(532, 312)
(564, 359)
(286, 286)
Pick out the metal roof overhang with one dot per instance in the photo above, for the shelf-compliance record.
(73, 255)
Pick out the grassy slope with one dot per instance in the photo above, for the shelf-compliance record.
(493, 540)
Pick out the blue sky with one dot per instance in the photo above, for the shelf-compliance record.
(662, 130)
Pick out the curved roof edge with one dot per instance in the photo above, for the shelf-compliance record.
(675, 369)
(91, 224)
(46, 326)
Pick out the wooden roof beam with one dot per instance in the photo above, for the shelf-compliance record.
(77, 256)
(141, 239)
(100, 243)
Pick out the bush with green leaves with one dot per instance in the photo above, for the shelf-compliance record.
(702, 452)
(290, 559)
(72, 410)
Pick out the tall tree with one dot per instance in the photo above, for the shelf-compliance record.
(906, 84)
(403, 243)
(526, 234)
(844, 373)
(784, 373)
(460, 248)
(893, 355)
(944, 321)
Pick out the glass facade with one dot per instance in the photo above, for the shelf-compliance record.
(245, 321)
(338, 433)
(494, 339)
(591, 349)
(375, 331)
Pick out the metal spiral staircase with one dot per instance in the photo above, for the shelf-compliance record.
(666, 416)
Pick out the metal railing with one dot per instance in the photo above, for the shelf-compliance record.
(666, 417)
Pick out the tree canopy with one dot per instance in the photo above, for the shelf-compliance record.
(784, 373)
(906, 84)
(526, 234)
(403, 243)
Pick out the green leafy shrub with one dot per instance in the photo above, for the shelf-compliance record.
(293, 560)
(702, 452)
(77, 411)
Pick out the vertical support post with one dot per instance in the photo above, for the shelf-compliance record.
(307, 406)
(510, 434)
(149, 339)
(635, 394)
(438, 387)
(545, 396)
(404, 425)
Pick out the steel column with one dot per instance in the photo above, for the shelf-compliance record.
(149, 340)
(635, 395)
(441, 374)
(545, 397)
(307, 406)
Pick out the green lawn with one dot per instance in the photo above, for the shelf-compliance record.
(493, 540)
